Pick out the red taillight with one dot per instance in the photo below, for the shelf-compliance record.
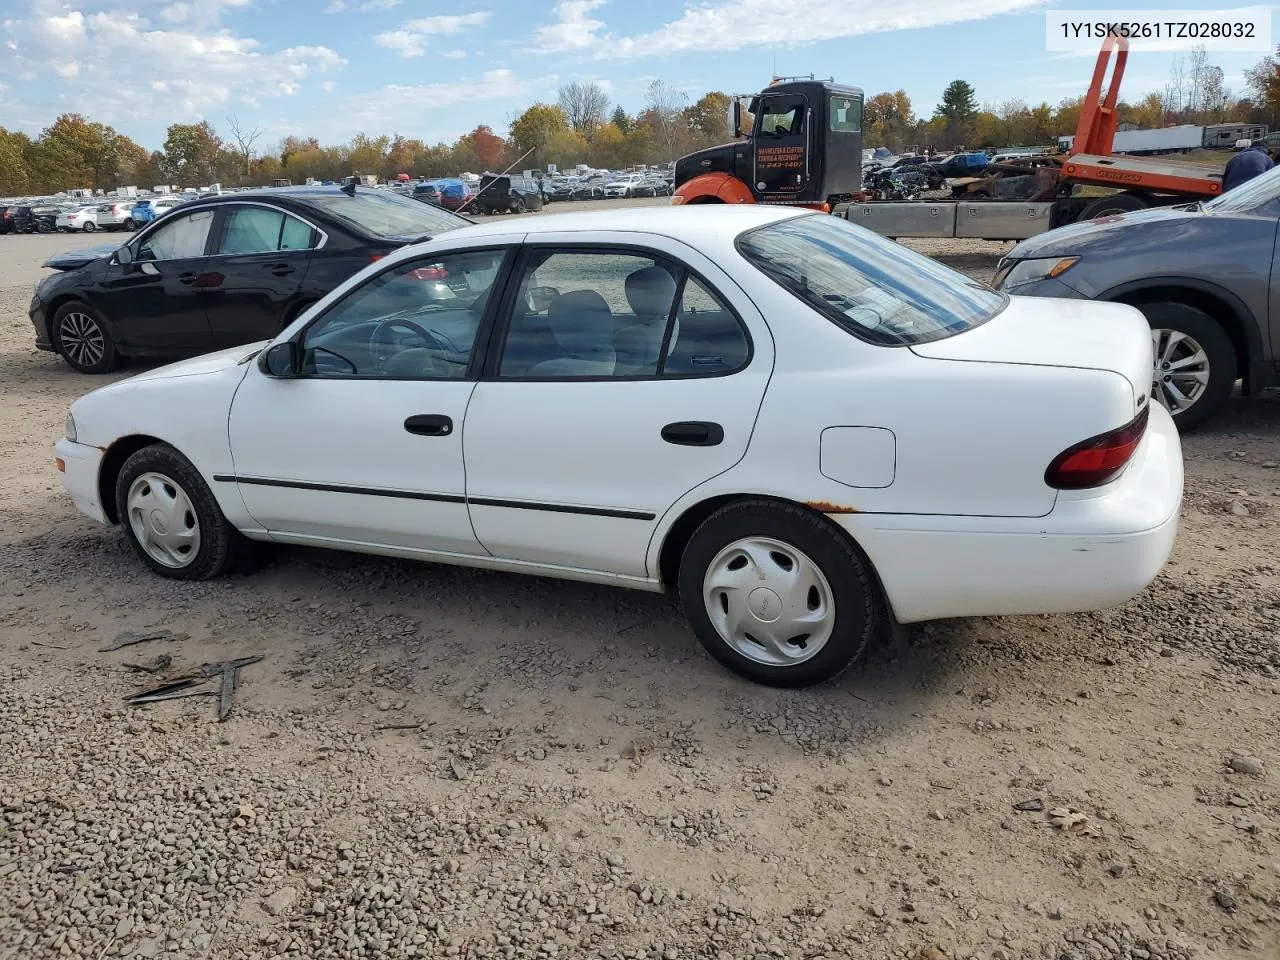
(429, 273)
(375, 257)
(1098, 460)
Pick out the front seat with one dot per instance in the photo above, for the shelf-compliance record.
(582, 329)
(650, 292)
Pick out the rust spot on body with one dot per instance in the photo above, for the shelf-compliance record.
(826, 506)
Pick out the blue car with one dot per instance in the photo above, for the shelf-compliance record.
(144, 211)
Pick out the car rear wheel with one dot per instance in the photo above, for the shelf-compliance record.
(777, 594)
(171, 518)
(131, 224)
(1195, 365)
(89, 226)
(83, 339)
(518, 206)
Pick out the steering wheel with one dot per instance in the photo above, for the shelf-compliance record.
(385, 349)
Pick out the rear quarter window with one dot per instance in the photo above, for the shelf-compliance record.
(874, 288)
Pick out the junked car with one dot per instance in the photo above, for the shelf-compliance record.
(219, 271)
(83, 219)
(1201, 273)
(805, 430)
(116, 215)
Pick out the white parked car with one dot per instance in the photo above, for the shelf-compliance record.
(83, 218)
(805, 429)
(116, 215)
(623, 186)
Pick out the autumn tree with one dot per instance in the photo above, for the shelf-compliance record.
(487, 146)
(584, 104)
(245, 137)
(14, 176)
(888, 120)
(709, 117)
(191, 153)
(1263, 80)
(533, 130)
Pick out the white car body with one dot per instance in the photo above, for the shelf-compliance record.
(85, 218)
(623, 186)
(113, 214)
(930, 458)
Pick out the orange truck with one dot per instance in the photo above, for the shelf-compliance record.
(799, 141)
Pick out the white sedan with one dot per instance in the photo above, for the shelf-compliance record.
(806, 430)
(83, 218)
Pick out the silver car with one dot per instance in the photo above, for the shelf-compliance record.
(1202, 273)
(116, 215)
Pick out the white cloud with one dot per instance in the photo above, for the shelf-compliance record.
(738, 24)
(403, 42)
(336, 6)
(379, 5)
(454, 55)
(449, 24)
(410, 40)
(111, 64)
(431, 103)
(328, 86)
(573, 29)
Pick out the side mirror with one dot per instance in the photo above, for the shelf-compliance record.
(282, 360)
(124, 254)
(735, 117)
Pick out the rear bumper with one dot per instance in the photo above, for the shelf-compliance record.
(1095, 550)
(81, 464)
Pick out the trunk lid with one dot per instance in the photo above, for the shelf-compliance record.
(1043, 332)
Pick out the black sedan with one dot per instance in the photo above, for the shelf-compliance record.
(219, 272)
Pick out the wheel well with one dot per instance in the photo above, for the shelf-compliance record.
(1215, 307)
(116, 455)
(703, 200)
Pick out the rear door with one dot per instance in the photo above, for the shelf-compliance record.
(782, 146)
(259, 261)
(156, 302)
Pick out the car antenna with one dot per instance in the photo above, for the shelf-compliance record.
(349, 188)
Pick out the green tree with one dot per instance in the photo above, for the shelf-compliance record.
(14, 176)
(958, 112)
(191, 153)
(620, 119)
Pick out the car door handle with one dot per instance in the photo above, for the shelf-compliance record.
(693, 433)
(280, 269)
(429, 425)
(187, 278)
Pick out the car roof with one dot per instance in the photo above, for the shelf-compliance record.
(690, 224)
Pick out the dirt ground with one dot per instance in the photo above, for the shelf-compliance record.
(436, 762)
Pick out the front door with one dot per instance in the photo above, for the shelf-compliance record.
(156, 302)
(365, 448)
(260, 258)
(625, 378)
(781, 132)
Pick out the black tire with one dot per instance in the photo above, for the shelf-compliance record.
(1208, 334)
(83, 338)
(221, 547)
(131, 224)
(89, 226)
(518, 206)
(43, 227)
(1111, 206)
(854, 595)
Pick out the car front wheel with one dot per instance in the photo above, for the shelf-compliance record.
(171, 518)
(1195, 365)
(90, 226)
(777, 594)
(83, 339)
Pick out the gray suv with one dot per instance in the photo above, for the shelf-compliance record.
(1203, 274)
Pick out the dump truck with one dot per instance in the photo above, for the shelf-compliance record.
(803, 146)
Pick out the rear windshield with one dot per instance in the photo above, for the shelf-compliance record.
(386, 214)
(874, 288)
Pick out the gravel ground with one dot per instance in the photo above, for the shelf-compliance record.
(439, 762)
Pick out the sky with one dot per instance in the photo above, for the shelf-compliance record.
(433, 70)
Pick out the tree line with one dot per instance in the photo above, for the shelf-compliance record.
(580, 127)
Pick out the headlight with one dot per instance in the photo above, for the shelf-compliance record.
(1022, 272)
(70, 429)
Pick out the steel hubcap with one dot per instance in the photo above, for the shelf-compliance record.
(82, 339)
(769, 602)
(1181, 373)
(163, 520)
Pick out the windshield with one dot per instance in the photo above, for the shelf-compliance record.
(1249, 195)
(874, 288)
(385, 214)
